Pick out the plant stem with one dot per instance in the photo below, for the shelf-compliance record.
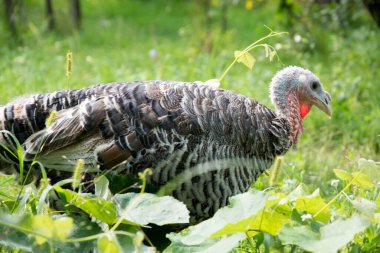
(114, 227)
(249, 48)
(340, 193)
(227, 70)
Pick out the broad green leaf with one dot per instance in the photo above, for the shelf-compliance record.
(279, 202)
(331, 238)
(98, 208)
(82, 228)
(108, 244)
(376, 218)
(50, 229)
(266, 220)
(270, 219)
(246, 58)
(364, 206)
(299, 235)
(102, 188)
(241, 207)
(43, 225)
(343, 175)
(28, 225)
(63, 227)
(313, 204)
(145, 208)
(220, 245)
(362, 180)
(14, 238)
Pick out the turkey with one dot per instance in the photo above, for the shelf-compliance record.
(212, 143)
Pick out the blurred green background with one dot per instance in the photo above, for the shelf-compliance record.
(192, 40)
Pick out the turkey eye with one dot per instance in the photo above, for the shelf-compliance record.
(314, 86)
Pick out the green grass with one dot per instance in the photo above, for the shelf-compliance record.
(116, 39)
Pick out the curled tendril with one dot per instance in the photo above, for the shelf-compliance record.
(142, 176)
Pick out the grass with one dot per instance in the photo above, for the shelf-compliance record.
(117, 40)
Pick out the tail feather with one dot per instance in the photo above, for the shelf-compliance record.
(70, 126)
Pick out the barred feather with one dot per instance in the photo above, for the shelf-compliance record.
(211, 142)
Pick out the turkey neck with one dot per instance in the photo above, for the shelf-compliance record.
(290, 109)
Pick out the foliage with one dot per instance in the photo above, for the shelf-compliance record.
(322, 191)
(295, 218)
(247, 59)
(100, 221)
(330, 238)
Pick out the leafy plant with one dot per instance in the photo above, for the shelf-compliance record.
(98, 221)
(113, 223)
(247, 59)
(350, 73)
(297, 218)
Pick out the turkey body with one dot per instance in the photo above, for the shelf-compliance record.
(213, 143)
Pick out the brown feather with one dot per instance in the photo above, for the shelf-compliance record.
(112, 155)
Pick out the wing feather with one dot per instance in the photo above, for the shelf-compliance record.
(70, 126)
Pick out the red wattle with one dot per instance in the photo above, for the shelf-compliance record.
(304, 110)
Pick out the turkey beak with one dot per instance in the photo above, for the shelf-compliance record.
(323, 102)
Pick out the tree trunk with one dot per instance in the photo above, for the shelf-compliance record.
(373, 7)
(50, 14)
(76, 13)
(9, 7)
